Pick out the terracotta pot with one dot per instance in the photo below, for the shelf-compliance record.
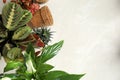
(41, 1)
(41, 18)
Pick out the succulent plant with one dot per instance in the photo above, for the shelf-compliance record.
(44, 33)
(13, 29)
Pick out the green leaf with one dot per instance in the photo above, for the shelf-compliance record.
(54, 75)
(49, 52)
(1, 40)
(30, 49)
(37, 76)
(12, 65)
(6, 48)
(30, 64)
(61, 75)
(26, 17)
(9, 77)
(14, 76)
(14, 53)
(43, 68)
(14, 16)
(11, 15)
(3, 33)
(22, 33)
(70, 77)
(22, 69)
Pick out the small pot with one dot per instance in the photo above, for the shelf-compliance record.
(41, 18)
(41, 1)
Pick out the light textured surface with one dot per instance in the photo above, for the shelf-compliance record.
(91, 31)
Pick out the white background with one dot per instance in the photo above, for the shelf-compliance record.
(91, 31)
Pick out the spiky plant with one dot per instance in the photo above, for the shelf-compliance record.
(13, 29)
(44, 33)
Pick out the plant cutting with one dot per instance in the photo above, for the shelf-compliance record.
(19, 39)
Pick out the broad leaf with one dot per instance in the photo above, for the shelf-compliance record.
(9, 76)
(22, 33)
(50, 51)
(1, 40)
(54, 75)
(26, 17)
(21, 70)
(14, 53)
(70, 77)
(37, 77)
(6, 48)
(3, 33)
(61, 75)
(43, 68)
(30, 49)
(11, 15)
(30, 64)
(12, 65)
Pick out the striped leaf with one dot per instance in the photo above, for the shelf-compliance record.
(11, 15)
(22, 33)
(26, 17)
(14, 16)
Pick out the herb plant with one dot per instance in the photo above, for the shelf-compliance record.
(35, 67)
(18, 43)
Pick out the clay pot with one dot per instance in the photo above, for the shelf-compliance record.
(41, 1)
(41, 18)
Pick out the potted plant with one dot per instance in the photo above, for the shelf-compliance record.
(20, 36)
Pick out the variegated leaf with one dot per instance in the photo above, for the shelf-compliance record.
(11, 15)
(3, 33)
(22, 33)
(14, 53)
(26, 17)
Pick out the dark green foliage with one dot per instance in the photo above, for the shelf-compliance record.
(44, 33)
(14, 16)
(50, 51)
(32, 67)
(12, 65)
(13, 27)
(36, 67)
